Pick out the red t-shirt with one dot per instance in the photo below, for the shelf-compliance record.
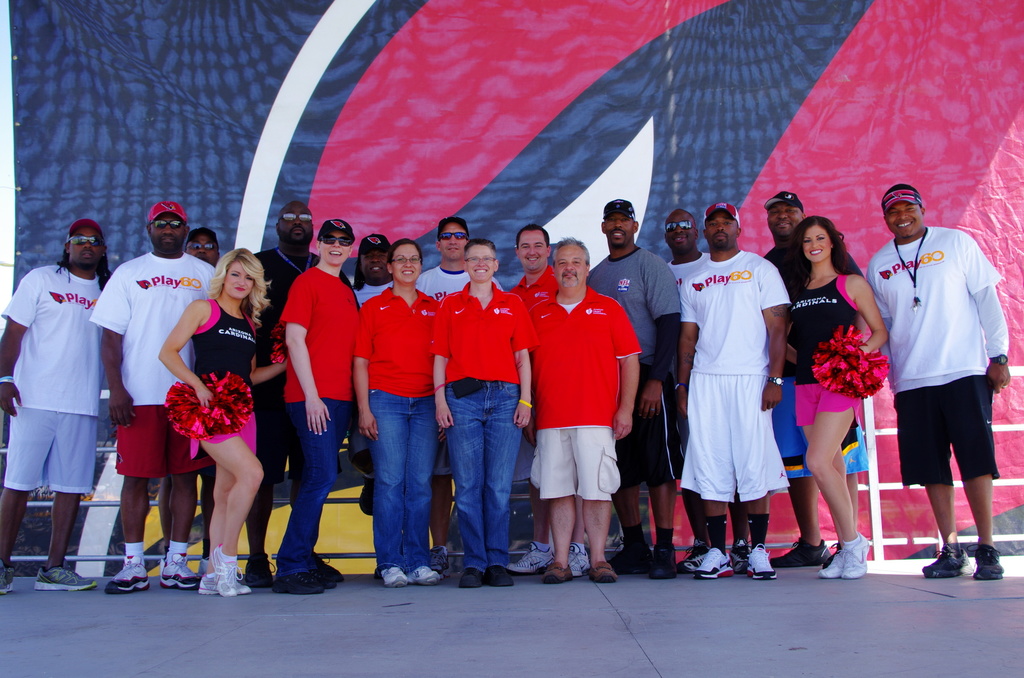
(395, 338)
(575, 365)
(545, 288)
(480, 342)
(327, 308)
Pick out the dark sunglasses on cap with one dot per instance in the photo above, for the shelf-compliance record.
(201, 245)
(342, 240)
(160, 223)
(458, 235)
(94, 240)
(290, 216)
(673, 225)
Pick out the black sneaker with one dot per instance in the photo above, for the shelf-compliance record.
(328, 573)
(496, 575)
(802, 555)
(366, 496)
(951, 562)
(472, 578)
(634, 558)
(694, 557)
(664, 563)
(324, 581)
(986, 563)
(300, 583)
(739, 556)
(258, 574)
(834, 549)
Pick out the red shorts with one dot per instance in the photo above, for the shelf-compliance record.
(151, 448)
(814, 398)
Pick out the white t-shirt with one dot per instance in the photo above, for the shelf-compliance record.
(438, 284)
(943, 340)
(725, 299)
(59, 367)
(680, 271)
(143, 301)
(369, 292)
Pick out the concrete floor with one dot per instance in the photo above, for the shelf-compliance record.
(892, 622)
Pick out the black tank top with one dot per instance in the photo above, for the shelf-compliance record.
(816, 314)
(224, 344)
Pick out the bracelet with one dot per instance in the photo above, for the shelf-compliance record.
(523, 402)
(439, 388)
(686, 386)
(6, 380)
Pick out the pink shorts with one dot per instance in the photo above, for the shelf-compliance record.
(247, 434)
(814, 398)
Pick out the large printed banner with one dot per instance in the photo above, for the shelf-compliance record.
(393, 114)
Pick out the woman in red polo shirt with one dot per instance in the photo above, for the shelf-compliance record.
(482, 339)
(393, 376)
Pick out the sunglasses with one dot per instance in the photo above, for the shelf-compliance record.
(673, 225)
(86, 240)
(201, 245)
(289, 216)
(458, 236)
(165, 224)
(340, 240)
(406, 260)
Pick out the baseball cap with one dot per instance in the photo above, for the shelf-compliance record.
(202, 230)
(166, 206)
(899, 192)
(620, 206)
(722, 207)
(83, 223)
(374, 241)
(332, 225)
(786, 197)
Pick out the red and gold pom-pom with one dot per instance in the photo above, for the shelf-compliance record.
(278, 350)
(842, 367)
(230, 407)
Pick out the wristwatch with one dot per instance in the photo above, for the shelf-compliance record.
(775, 380)
(999, 360)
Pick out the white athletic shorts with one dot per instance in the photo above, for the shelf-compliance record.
(576, 461)
(731, 447)
(51, 449)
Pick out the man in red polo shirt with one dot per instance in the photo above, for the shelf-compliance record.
(579, 416)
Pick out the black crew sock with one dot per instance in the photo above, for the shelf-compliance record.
(633, 534)
(758, 528)
(663, 536)
(716, 531)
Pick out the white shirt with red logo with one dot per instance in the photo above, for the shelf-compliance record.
(59, 365)
(143, 301)
(681, 271)
(438, 283)
(725, 299)
(942, 340)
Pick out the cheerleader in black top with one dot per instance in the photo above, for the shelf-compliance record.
(222, 331)
(826, 296)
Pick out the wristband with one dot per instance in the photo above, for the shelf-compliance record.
(6, 380)
(439, 388)
(523, 402)
(686, 386)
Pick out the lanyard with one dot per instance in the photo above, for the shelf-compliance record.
(309, 260)
(912, 272)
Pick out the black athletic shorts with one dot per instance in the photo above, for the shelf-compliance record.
(651, 453)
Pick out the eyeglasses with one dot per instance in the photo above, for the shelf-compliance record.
(290, 216)
(673, 225)
(86, 240)
(477, 260)
(458, 236)
(165, 224)
(406, 260)
(201, 245)
(340, 240)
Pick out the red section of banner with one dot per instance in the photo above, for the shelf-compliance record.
(449, 103)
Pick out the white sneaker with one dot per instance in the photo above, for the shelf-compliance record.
(208, 585)
(175, 574)
(856, 565)
(132, 577)
(835, 568)
(533, 561)
(424, 576)
(394, 578)
(714, 565)
(759, 565)
(579, 561)
(439, 560)
(229, 577)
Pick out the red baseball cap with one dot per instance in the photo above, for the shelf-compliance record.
(83, 223)
(166, 206)
(722, 207)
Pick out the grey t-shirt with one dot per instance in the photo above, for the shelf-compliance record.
(645, 287)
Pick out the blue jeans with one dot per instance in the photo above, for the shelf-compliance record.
(483, 444)
(403, 460)
(319, 472)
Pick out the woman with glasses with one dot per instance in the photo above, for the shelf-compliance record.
(321, 320)
(482, 339)
(222, 331)
(826, 296)
(393, 376)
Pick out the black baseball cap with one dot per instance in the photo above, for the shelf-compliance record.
(332, 225)
(786, 197)
(620, 206)
(374, 241)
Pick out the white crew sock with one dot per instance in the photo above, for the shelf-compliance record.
(133, 549)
